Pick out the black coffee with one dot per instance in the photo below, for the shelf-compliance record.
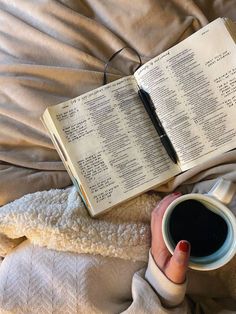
(205, 230)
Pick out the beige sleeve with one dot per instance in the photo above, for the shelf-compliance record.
(153, 293)
(171, 294)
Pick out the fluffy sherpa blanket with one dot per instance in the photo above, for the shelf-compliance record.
(58, 220)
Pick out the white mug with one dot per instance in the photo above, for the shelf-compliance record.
(221, 193)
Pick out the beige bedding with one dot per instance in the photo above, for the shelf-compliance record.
(51, 51)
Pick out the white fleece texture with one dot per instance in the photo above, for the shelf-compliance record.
(58, 219)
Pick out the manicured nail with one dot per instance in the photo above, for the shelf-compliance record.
(176, 193)
(184, 246)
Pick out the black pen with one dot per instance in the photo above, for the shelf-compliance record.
(148, 104)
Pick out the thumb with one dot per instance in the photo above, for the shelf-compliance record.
(178, 263)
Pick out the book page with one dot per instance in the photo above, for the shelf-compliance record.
(193, 88)
(112, 143)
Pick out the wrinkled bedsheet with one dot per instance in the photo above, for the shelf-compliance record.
(51, 51)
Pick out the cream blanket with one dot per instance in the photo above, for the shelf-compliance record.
(58, 220)
(117, 243)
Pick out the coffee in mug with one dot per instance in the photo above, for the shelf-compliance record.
(205, 230)
(204, 221)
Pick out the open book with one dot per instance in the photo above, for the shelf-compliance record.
(107, 141)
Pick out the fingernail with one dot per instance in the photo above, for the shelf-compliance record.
(184, 246)
(176, 193)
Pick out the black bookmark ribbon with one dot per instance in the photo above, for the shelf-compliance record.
(113, 56)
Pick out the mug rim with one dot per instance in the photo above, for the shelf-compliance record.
(221, 209)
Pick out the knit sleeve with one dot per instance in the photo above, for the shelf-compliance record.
(146, 300)
(171, 294)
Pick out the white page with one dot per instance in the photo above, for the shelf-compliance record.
(112, 143)
(193, 87)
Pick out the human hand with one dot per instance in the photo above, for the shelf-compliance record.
(174, 267)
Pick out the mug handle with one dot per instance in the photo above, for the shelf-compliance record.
(223, 190)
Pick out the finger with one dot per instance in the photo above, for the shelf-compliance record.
(178, 264)
(165, 202)
(159, 210)
(158, 247)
